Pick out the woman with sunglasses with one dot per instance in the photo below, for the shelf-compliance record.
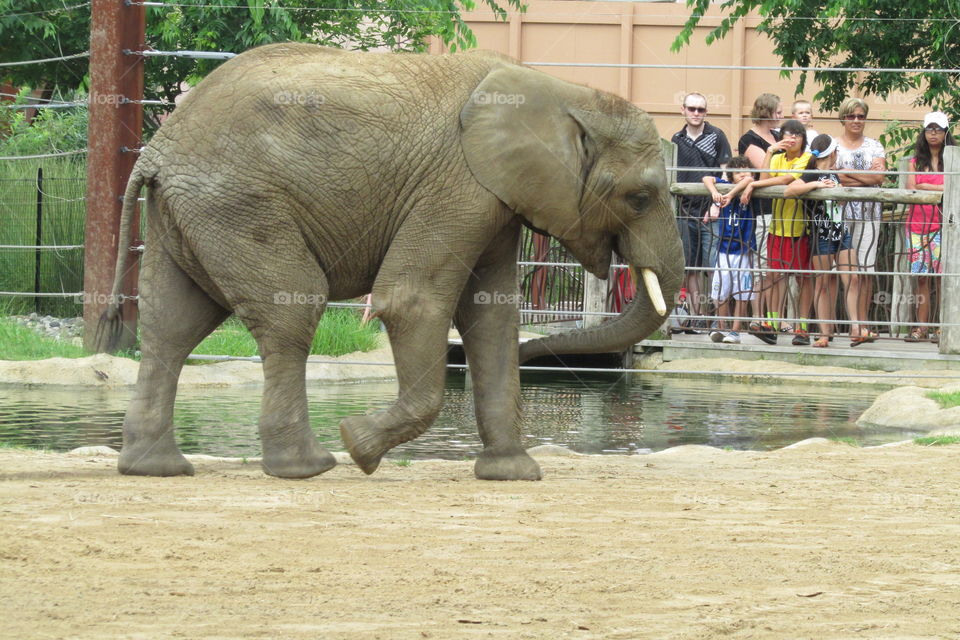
(856, 151)
(924, 220)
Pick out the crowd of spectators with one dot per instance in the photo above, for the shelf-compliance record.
(746, 249)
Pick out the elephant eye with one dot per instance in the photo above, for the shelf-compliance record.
(637, 200)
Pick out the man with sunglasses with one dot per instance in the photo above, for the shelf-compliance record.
(703, 147)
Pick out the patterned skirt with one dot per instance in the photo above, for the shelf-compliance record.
(925, 253)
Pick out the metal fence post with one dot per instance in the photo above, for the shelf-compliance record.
(115, 127)
(950, 252)
(39, 242)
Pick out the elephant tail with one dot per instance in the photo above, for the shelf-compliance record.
(110, 324)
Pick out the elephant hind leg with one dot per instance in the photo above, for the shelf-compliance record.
(282, 308)
(175, 315)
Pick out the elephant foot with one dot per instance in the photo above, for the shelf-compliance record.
(363, 437)
(291, 462)
(156, 459)
(512, 464)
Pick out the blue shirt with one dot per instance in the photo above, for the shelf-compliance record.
(736, 227)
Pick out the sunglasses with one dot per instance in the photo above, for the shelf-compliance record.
(695, 109)
(854, 116)
(934, 129)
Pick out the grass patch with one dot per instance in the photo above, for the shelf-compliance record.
(340, 332)
(936, 441)
(21, 343)
(945, 399)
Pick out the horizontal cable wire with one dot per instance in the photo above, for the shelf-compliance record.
(37, 98)
(46, 11)
(47, 247)
(532, 18)
(875, 172)
(85, 54)
(208, 55)
(45, 105)
(733, 67)
(41, 295)
(45, 155)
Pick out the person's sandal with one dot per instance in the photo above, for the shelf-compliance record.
(822, 342)
(801, 338)
(764, 332)
(917, 335)
(870, 336)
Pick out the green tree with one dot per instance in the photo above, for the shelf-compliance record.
(875, 34)
(33, 29)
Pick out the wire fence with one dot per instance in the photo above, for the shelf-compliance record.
(41, 244)
(782, 264)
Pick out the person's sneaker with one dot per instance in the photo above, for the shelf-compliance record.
(764, 332)
(731, 338)
(716, 335)
(801, 338)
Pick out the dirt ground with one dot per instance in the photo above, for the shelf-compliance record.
(817, 541)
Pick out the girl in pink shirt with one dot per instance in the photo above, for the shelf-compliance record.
(924, 220)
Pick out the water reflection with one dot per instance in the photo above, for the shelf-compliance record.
(590, 414)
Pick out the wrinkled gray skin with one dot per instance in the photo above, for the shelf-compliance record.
(326, 175)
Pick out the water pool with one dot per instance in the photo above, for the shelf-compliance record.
(590, 414)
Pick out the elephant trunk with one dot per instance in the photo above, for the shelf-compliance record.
(638, 320)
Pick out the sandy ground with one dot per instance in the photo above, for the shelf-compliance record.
(815, 541)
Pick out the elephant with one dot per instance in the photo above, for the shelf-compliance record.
(294, 174)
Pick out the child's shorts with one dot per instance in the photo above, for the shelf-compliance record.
(726, 283)
(789, 254)
(824, 247)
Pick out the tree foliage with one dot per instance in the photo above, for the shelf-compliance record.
(38, 29)
(875, 34)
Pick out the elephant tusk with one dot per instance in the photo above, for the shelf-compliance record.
(653, 290)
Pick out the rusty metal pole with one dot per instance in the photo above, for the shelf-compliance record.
(115, 125)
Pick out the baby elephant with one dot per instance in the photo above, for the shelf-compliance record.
(296, 174)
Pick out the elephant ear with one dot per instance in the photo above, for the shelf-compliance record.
(524, 144)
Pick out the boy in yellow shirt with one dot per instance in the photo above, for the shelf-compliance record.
(788, 243)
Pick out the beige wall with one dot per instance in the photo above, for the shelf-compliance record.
(641, 33)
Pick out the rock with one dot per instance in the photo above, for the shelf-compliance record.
(811, 442)
(552, 450)
(909, 408)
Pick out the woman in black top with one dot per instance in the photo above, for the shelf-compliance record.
(766, 116)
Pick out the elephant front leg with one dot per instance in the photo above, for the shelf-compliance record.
(487, 318)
